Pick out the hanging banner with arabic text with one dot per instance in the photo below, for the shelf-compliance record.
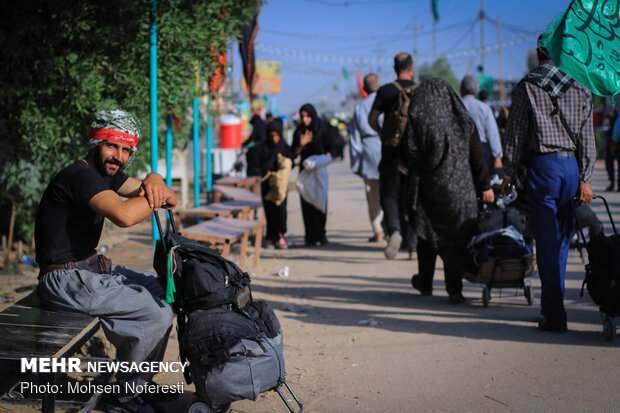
(268, 77)
(585, 43)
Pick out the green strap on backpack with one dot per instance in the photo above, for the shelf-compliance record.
(170, 264)
(584, 42)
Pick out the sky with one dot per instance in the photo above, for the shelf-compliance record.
(318, 40)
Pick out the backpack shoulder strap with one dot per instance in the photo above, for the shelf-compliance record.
(398, 86)
(410, 89)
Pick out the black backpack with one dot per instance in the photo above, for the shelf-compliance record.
(233, 343)
(202, 277)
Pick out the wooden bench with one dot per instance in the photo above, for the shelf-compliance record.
(225, 231)
(223, 192)
(28, 331)
(251, 183)
(227, 209)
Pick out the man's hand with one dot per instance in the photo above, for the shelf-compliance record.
(154, 189)
(488, 196)
(585, 193)
(497, 163)
(507, 185)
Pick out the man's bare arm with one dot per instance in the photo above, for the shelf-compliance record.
(153, 188)
(373, 120)
(122, 213)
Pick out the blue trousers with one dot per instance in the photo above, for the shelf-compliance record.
(552, 184)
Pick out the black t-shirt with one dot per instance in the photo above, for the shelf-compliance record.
(387, 95)
(67, 229)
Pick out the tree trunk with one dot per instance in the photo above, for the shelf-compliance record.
(11, 226)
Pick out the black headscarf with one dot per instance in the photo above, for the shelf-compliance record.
(443, 150)
(275, 125)
(258, 129)
(319, 143)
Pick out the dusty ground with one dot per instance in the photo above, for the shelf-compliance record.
(358, 338)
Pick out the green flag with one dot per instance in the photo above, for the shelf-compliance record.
(345, 73)
(435, 10)
(584, 42)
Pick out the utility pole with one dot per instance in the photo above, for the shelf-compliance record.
(434, 40)
(482, 36)
(379, 50)
(502, 87)
(416, 71)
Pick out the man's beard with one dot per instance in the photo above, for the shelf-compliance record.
(100, 164)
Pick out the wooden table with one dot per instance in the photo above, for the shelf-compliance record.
(226, 231)
(251, 183)
(228, 209)
(233, 193)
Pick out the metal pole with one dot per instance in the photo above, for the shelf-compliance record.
(196, 156)
(209, 146)
(168, 157)
(153, 77)
(502, 87)
(482, 36)
(196, 142)
(434, 40)
(416, 72)
(169, 149)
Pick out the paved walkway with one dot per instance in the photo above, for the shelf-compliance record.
(358, 338)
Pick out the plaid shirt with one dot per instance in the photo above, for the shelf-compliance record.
(534, 125)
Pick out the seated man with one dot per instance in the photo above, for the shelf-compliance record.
(73, 278)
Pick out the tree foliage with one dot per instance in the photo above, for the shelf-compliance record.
(64, 60)
(442, 69)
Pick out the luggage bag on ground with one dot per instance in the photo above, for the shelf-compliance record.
(602, 278)
(501, 256)
(233, 343)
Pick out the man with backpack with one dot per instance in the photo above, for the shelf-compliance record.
(73, 278)
(550, 133)
(393, 101)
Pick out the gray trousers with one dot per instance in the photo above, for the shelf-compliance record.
(128, 302)
(375, 213)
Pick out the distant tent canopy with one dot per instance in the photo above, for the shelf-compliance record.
(585, 43)
(246, 48)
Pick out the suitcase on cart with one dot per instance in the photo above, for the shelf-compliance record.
(232, 342)
(503, 269)
(602, 278)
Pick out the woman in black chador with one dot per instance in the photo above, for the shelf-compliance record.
(267, 163)
(311, 138)
(447, 173)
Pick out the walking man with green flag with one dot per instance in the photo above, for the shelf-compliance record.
(550, 134)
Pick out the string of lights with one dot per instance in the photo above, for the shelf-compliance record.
(312, 56)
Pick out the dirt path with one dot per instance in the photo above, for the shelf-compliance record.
(358, 338)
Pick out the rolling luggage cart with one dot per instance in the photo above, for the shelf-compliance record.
(602, 278)
(198, 405)
(505, 273)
